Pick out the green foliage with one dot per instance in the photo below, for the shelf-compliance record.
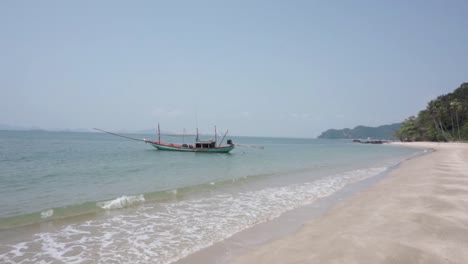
(408, 130)
(444, 119)
(464, 131)
(381, 132)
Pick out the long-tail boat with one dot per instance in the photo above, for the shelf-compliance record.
(208, 146)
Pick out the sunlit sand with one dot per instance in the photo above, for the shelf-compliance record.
(418, 214)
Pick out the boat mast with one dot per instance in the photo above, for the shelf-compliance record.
(159, 134)
(216, 138)
(223, 138)
(196, 125)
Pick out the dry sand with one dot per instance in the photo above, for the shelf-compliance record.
(417, 214)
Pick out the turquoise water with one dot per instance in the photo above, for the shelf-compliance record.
(102, 194)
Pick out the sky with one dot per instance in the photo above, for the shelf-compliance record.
(259, 68)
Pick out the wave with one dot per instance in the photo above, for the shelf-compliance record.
(159, 197)
(71, 211)
(166, 232)
(121, 202)
(182, 193)
(47, 213)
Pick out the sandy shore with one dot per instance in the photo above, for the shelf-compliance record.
(417, 214)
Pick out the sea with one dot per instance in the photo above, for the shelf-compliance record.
(69, 197)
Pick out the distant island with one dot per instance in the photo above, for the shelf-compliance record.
(380, 132)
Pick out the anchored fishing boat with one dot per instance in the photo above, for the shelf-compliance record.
(202, 146)
(206, 146)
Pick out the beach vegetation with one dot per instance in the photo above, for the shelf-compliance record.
(444, 119)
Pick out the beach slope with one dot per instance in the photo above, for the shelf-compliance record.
(417, 214)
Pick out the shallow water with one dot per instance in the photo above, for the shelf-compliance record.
(77, 197)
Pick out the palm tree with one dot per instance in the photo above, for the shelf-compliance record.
(433, 109)
(451, 110)
(457, 106)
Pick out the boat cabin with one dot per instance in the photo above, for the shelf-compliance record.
(205, 144)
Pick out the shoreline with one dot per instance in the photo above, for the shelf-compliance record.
(416, 214)
(287, 224)
(244, 242)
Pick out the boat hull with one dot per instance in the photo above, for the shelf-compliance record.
(225, 149)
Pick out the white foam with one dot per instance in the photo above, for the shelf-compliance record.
(47, 213)
(173, 191)
(17, 249)
(121, 202)
(166, 232)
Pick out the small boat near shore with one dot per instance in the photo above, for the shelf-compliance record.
(203, 146)
(208, 146)
(200, 146)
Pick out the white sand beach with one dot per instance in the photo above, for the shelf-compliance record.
(417, 214)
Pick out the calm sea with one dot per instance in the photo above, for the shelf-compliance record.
(92, 197)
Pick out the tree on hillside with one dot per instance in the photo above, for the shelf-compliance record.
(456, 106)
(435, 109)
(407, 131)
(444, 119)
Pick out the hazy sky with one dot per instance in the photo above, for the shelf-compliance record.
(260, 68)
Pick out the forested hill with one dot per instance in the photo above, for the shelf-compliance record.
(444, 119)
(380, 132)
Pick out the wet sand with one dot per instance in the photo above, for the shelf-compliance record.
(417, 214)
